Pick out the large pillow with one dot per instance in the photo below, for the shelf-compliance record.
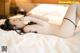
(53, 13)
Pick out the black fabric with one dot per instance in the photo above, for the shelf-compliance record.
(22, 12)
(71, 22)
(31, 23)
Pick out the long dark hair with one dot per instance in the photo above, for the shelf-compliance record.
(6, 26)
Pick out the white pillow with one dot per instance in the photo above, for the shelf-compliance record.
(53, 13)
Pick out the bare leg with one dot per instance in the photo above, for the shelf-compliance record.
(78, 11)
(78, 18)
(67, 28)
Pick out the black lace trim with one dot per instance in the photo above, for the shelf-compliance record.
(71, 22)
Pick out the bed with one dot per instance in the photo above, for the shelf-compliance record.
(39, 43)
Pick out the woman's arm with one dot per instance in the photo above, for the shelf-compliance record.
(36, 20)
(67, 28)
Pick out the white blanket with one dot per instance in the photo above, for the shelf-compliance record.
(39, 43)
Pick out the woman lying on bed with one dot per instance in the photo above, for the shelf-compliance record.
(18, 23)
(35, 43)
(34, 25)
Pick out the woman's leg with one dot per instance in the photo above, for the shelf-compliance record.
(67, 28)
(78, 11)
(78, 18)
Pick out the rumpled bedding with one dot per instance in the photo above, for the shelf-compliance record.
(38, 43)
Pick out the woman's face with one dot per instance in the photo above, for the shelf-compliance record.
(18, 22)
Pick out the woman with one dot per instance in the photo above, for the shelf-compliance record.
(69, 24)
(30, 25)
(66, 29)
(40, 43)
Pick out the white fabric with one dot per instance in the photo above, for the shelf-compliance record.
(52, 13)
(39, 43)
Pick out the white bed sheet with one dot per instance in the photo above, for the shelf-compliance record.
(39, 43)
